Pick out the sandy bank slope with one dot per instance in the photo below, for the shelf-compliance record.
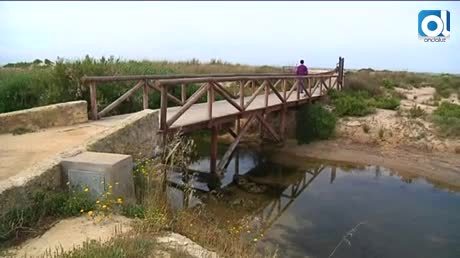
(443, 169)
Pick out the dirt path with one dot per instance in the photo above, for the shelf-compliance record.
(442, 169)
(20, 152)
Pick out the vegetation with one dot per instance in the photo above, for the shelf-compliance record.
(29, 218)
(447, 118)
(31, 85)
(314, 122)
(416, 111)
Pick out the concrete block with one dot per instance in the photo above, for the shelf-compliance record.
(97, 171)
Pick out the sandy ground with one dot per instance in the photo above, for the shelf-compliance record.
(72, 232)
(19, 152)
(409, 145)
(443, 169)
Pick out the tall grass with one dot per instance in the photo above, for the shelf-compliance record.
(22, 88)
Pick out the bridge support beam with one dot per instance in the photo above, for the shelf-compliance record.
(213, 154)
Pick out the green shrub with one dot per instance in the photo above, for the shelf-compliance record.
(314, 123)
(352, 103)
(43, 204)
(447, 118)
(387, 102)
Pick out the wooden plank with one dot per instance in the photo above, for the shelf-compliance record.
(284, 89)
(145, 96)
(267, 91)
(241, 94)
(163, 108)
(194, 98)
(210, 99)
(93, 96)
(273, 87)
(237, 78)
(213, 154)
(235, 143)
(295, 86)
(183, 93)
(268, 127)
(231, 132)
(121, 99)
(231, 95)
(254, 95)
(169, 96)
(227, 98)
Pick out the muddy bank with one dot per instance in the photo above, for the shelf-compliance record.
(442, 169)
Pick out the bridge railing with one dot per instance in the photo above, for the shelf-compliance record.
(286, 88)
(281, 84)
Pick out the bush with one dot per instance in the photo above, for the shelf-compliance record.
(314, 123)
(349, 103)
(447, 118)
(415, 112)
(43, 204)
(387, 102)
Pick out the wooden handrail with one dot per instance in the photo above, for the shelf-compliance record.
(237, 78)
(211, 83)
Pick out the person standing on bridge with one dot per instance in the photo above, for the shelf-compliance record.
(302, 70)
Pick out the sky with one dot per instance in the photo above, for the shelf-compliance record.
(379, 35)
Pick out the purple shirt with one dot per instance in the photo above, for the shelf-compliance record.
(302, 70)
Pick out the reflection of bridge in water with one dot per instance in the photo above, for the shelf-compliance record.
(270, 188)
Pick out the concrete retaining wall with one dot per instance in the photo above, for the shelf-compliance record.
(135, 136)
(32, 119)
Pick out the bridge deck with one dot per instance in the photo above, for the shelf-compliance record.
(198, 113)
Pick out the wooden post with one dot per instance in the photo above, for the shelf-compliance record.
(299, 88)
(241, 94)
(283, 122)
(213, 155)
(309, 89)
(284, 90)
(145, 95)
(210, 99)
(267, 91)
(183, 93)
(163, 107)
(330, 83)
(93, 95)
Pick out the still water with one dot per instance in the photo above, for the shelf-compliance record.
(304, 209)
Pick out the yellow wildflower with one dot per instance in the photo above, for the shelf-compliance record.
(97, 201)
(255, 239)
(119, 200)
(86, 189)
(81, 211)
(104, 206)
(90, 213)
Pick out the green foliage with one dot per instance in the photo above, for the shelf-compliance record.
(314, 123)
(387, 102)
(447, 118)
(133, 211)
(43, 204)
(352, 103)
(25, 85)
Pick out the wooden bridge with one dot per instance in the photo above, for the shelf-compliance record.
(221, 99)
